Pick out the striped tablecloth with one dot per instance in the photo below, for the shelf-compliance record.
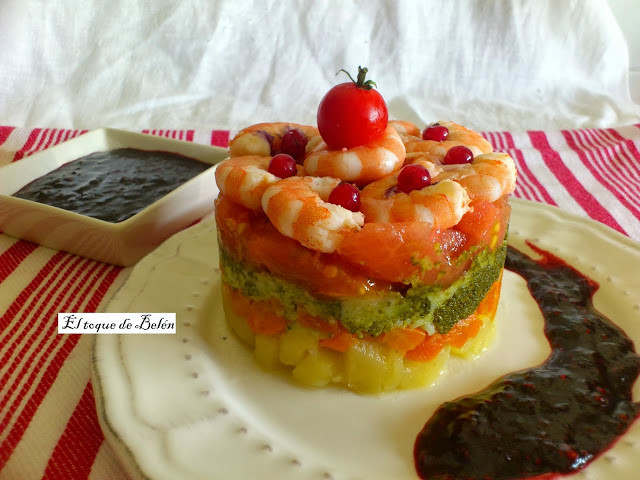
(48, 424)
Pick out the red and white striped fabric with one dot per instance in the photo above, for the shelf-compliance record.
(48, 424)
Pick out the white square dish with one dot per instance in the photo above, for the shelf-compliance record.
(122, 243)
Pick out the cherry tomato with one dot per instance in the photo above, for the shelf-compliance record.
(352, 113)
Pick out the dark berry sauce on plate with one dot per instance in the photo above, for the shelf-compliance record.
(113, 185)
(549, 420)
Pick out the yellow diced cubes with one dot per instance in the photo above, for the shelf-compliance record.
(296, 343)
(319, 368)
(372, 368)
(266, 351)
(424, 374)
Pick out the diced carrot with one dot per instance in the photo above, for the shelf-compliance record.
(261, 317)
(463, 331)
(490, 302)
(428, 349)
(241, 305)
(403, 339)
(266, 323)
(341, 341)
(317, 323)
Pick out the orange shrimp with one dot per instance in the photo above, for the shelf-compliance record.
(408, 131)
(298, 208)
(360, 164)
(441, 205)
(488, 177)
(244, 179)
(458, 135)
(264, 138)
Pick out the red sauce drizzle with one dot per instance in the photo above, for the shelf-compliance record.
(549, 420)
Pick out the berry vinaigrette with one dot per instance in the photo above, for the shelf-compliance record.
(549, 420)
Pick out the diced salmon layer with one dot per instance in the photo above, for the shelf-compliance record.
(379, 257)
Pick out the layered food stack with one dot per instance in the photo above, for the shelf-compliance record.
(363, 252)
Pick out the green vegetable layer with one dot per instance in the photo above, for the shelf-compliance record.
(431, 307)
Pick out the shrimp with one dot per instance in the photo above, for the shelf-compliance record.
(298, 208)
(361, 164)
(458, 135)
(244, 179)
(441, 205)
(264, 138)
(408, 131)
(488, 177)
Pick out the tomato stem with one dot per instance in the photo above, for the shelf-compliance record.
(360, 82)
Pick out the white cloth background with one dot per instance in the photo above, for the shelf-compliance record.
(223, 64)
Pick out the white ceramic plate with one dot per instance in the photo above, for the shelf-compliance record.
(195, 406)
(122, 243)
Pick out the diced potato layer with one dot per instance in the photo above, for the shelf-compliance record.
(366, 367)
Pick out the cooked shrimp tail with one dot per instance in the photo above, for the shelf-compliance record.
(265, 139)
(244, 179)
(298, 208)
(361, 164)
(488, 177)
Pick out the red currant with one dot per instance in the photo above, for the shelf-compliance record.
(458, 154)
(282, 165)
(413, 177)
(346, 195)
(294, 143)
(437, 133)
